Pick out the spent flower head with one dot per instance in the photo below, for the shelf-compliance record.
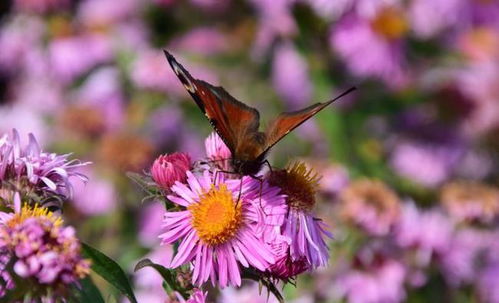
(305, 232)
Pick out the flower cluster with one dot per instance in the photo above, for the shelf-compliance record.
(229, 227)
(29, 170)
(41, 251)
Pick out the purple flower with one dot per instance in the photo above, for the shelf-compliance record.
(353, 35)
(150, 221)
(465, 251)
(430, 17)
(71, 57)
(45, 251)
(286, 267)
(428, 164)
(290, 76)
(219, 233)
(198, 296)
(97, 196)
(203, 40)
(428, 233)
(381, 280)
(487, 284)
(247, 294)
(168, 169)
(305, 232)
(43, 171)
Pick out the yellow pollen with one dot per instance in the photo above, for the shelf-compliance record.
(215, 217)
(390, 23)
(298, 183)
(33, 212)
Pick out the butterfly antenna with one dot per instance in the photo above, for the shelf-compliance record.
(351, 89)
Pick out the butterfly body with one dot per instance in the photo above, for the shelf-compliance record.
(238, 124)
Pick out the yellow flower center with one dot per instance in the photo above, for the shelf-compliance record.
(298, 183)
(33, 212)
(390, 23)
(216, 218)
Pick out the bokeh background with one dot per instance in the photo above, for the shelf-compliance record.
(409, 161)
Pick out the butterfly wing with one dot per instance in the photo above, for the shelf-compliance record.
(286, 122)
(233, 120)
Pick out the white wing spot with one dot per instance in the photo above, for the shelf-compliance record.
(184, 79)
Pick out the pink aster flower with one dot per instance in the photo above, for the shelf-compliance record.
(45, 252)
(168, 169)
(219, 233)
(48, 172)
(353, 35)
(305, 232)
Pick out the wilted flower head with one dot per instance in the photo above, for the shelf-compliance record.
(285, 267)
(168, 169)
(305, 232)
(218, 232)
(28, 168)
(371, 205)
(468, 201)
(42, 250)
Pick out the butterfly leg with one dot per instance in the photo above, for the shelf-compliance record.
(260, 180)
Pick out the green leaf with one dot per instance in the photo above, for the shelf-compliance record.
(88, 292)
(167, 274)
(109, 270)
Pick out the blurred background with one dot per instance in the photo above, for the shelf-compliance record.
(409, 161)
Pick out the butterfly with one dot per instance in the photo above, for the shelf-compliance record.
(238, 124)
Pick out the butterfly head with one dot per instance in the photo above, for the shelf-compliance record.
(247, 168)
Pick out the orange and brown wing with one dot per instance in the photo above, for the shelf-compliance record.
(231, 119)
(286, 122)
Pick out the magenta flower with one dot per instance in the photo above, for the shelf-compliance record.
(305, 232)
(44, 251)
(168, 169)
(43, 171)
(217, 232)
